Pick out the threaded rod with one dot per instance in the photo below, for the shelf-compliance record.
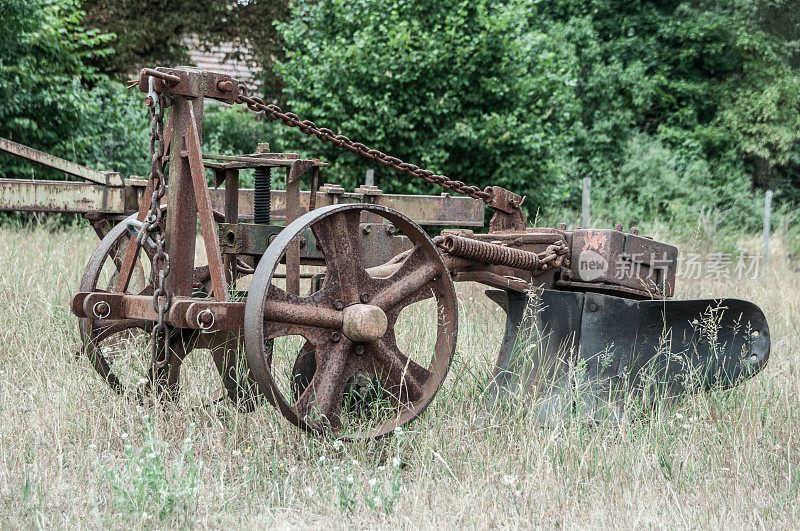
(262, 195)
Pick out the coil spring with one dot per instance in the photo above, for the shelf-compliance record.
(262, 195)
(490, 253)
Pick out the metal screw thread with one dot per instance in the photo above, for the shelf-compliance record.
(262, 195)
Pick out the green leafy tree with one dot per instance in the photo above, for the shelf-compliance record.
(51, 98)
(470, 89)
(715, 92)
(697, 96)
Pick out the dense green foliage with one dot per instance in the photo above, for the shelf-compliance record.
(671, 107)
(53, 100)
(668, 106)
(471, 89)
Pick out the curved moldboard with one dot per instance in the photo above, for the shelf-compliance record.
(599, 352)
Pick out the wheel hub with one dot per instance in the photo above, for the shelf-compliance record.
(363, 323)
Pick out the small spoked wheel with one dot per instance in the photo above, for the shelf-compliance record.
(344, 373)
(119, 349)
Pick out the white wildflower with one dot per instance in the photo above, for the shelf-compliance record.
(678, 416)
(508, 479)
(396, 462)
(322, 459)
(354, 462)
(338, 445)
(372, 482)
(124, 435)
(349, 478)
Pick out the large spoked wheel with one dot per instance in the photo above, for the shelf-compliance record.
(349, 378)
(119, 349)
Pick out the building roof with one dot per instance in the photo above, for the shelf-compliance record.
(229, 58)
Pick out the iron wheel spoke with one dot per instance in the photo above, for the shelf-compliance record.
(401, 371)
(414, 274)
(283, 307)
(338, 238)
(321, 402)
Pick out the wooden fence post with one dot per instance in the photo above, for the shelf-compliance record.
(767, 216)
(586, 220)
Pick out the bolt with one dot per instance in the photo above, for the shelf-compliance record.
(635, 230)
(206, 318)
(225, 85)
(562, 226)
(148, 101)
(592, 307)
(390, 229)
(336, 336)
(364, 297)
(366, 229)
(338, 304)
(101, 310)
(359, 350)
(303, 242)
(618, 226)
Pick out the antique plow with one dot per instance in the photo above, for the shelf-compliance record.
(301, 306)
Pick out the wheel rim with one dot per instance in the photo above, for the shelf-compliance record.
(119, 349)
(350, 296)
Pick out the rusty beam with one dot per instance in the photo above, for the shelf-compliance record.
(86, 198)
(204, 210)
(181, 201)
(61, 197)
(428, 210)
(63, 165)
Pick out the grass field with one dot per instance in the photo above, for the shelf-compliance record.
(72, 454)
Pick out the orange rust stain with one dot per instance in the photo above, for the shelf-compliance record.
(597, 241)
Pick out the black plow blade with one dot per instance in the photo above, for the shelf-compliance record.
(599, 355)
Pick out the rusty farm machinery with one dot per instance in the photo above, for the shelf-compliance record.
(589, 325)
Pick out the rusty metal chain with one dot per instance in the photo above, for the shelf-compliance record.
(152, 226)
(273, 112)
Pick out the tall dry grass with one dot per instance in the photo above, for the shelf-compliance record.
(72, 454)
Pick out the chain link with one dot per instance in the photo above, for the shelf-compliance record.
(273, 112)
(152, 226)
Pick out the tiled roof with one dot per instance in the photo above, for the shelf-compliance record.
(227, 58)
